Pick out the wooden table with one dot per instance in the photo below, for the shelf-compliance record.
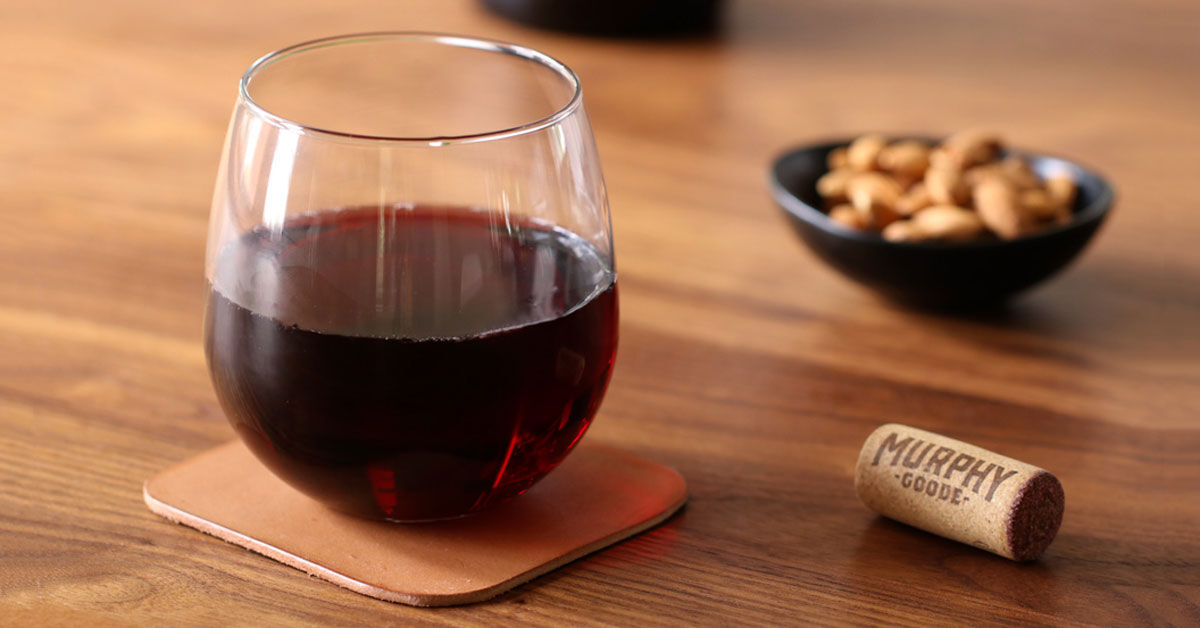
(744, 362)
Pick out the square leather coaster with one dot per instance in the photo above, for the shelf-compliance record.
(598, 496)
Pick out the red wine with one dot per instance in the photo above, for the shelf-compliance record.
(411, 363)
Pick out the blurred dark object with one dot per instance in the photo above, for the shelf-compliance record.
(622, 18)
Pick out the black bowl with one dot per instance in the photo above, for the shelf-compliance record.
(970, 274)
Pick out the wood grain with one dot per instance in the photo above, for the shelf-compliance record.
(744, 363)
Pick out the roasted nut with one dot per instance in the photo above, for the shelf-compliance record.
(1017, 170)
(914, 200)
(847, 216)
(941, 159)
(956, 191)
(837, 159)
(947, 222)
(863, 153)
(906, 160)
(971, 148)
(901, 231)
(875, 195)
(996, 201)
(1014, 169)
(947, 187)
(1038, 204)
(1062, 191)
(972, 176)
(876, 184)
(832, 185)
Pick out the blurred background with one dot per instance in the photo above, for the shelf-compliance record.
(94, 91)
(113, 116)
(745, 362)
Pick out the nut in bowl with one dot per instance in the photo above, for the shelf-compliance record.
(959, 223)
(958, 191)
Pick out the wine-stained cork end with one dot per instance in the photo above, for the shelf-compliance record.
(959, 491)
(1036, 515)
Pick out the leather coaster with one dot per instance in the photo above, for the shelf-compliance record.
(598, 496)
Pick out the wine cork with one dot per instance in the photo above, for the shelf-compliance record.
(959, 491)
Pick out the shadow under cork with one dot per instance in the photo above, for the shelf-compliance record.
(894, 557)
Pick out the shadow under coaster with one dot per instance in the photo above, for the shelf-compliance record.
(598, 496)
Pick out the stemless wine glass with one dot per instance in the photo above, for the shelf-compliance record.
(413, 306)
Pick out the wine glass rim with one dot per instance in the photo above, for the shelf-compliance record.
(463, 41)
